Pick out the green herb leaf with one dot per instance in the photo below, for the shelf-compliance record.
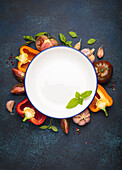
(86, 94)
(91, 41)
(62, 37)
(77, 95)
(68, 43)
(40, 33)
(28, 38)
(44, 127)
(80, 101)
(72, 103)
(54, 128)
(73, 34)
(27, 43)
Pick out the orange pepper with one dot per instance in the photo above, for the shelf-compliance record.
(101, 100)
(30, 53)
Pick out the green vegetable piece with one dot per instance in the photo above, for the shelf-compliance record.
(27, 43)
(40, 33)
(44, 127)
(91, 41)
(77, 95)
(73, 34)
(80, 101)
(62, 37)
(54, 128)
(50, 127)
(18, 57)
(86, 94)
(72, 103)
(28, 38)
(68, 43)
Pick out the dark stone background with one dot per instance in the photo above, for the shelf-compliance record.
(25, 146)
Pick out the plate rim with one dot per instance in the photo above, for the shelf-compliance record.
(60, 47)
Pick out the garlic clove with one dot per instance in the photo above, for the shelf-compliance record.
(92, 58)
(100, 52)
(92, 51)
(9, 105)
(86, 51)
(78, 45)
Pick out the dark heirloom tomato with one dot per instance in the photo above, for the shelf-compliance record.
(104, 71)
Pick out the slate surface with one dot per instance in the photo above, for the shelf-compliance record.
(23, 145)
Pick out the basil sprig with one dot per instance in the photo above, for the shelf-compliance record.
(30, 39)
(63, 39)
(78, 99)
(50, 126)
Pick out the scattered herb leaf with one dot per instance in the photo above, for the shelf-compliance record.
(62, 37)
(68, 43)
(77, 95)
(73, 34)
(30, 38)
(40, 33)
(27, 43)
(54, 128)
(44, 127)
(91, 41)
(72, 103)
(86, 94)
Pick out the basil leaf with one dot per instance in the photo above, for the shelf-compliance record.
(72, 103)
(28, 38)
(44, 127)
(40, 33)
(27, 43)
(62, 37)
(68, 43)
(73, 34)
(80, 101)
(86, 94)
(54, 128)
(77, 95)
(91, 41)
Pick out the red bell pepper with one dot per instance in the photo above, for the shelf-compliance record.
(27, 111)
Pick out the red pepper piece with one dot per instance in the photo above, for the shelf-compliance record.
(18, 74)
(38, 119)
(65, 125)
(18, 89)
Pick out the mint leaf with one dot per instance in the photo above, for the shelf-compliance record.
(72, 103)
(91, 41)
(73, 34)
(80, 101)
(44, 127)
(68, 43)
(28, 38)
(40, 33)
(62, 37)
(54, 128)
(77, 95)
(86, 94)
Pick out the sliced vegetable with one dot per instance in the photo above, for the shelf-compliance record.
(25, 57)
(18, 89)
(101, 100)
(64, 123)
(18, 74)
(104, 71)
(27, 111)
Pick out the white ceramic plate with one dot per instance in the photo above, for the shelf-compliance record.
(53, 77)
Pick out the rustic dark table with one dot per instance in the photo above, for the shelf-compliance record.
(25, 146)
